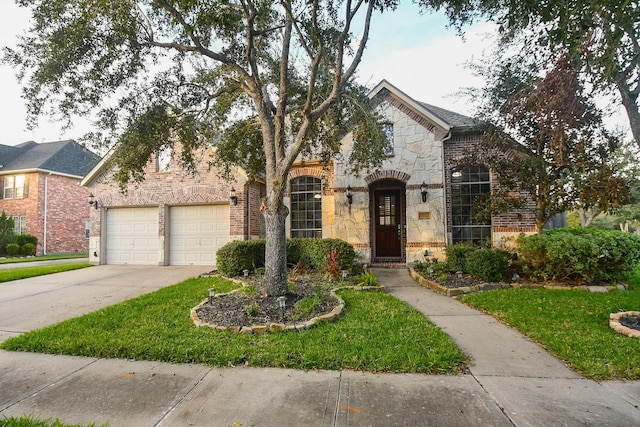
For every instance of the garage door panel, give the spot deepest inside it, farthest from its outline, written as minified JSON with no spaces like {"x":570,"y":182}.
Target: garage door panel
{"x":132,"y":236}
{"x":196,"y":233}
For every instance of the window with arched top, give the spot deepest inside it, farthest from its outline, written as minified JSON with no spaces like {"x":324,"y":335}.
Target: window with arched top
{"x":467,"y":185}
{"x":306,"y":207}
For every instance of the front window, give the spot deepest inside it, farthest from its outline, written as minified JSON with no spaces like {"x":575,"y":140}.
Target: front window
{"x":15,"y":187}
{"x":306,"y":207}
{"x":387,"y":128}
{"x":20,"y":224}
{"x":466,"y":186}
{"x":87,"y":228}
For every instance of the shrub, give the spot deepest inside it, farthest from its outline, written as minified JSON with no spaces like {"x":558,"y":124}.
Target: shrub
{"x":236,"y":256}
{"x":457,"y":255}
{"x":487,"y":264}
{"x":27,"y":249}
{"x":368,"y":279}
{"x":13,"y":249}
{"x":22,"y":239}
{"x":7,"y":234}
{"x":579,"y":254}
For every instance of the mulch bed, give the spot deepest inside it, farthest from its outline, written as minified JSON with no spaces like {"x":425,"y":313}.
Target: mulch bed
{"x":234,"y":309}
{"x":632,"y":322}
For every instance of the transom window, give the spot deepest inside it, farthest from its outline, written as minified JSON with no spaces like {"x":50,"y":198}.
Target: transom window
{"x":163,"y":160}
{"x":15,"y":187}
{"x":387,"y":128}
{"x":466,"y":186}
{"x":306,"y":207}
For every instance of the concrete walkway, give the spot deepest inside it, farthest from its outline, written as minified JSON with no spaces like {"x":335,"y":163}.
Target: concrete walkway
{"x":512,"y":382}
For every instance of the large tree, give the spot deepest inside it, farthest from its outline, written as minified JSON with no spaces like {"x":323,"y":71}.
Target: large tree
{"x":268,"y":81}
{"x":546,"y":139}
{"x":604,"y":35}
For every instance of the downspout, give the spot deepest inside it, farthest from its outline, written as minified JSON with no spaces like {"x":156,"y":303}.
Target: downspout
{"x":444,"y":187}
{"x":46,"y":194}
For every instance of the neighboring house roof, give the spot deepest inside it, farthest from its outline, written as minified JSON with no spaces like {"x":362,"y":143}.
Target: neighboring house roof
{"x":61,"y":157}
{"x":446,"y":119}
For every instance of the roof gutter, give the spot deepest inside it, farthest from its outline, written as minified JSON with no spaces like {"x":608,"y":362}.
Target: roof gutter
{"x":49,"y":172}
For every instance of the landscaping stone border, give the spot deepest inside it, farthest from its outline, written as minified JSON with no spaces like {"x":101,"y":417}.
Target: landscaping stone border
{"x":452,"y":292}
{"x":614,"y":322}
{"x":279,"y":327}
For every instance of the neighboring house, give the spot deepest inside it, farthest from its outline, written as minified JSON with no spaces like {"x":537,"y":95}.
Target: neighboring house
{"x":414,"y":206}
{"x":40,"y":189}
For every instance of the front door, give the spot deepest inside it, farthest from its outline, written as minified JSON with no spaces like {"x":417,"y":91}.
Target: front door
{"x":388,"y":228}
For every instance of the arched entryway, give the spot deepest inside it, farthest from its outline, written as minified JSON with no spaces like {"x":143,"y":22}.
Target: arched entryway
{"x":387,"y":206}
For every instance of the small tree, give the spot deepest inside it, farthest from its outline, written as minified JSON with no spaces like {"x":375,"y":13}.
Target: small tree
{"x":546,"y":140}
{"x":7,"y":231}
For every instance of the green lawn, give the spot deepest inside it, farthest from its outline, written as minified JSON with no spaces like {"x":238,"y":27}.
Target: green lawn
{"x":30,"y":421}
{"x":572,"y":324}
{"x":12,"y":260}
{"x":376,"y":333}
{"x":9,"y":274}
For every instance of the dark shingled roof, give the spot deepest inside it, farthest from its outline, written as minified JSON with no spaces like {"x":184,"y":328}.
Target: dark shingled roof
{"x":66,"y":157}
{"x":453,"y":119}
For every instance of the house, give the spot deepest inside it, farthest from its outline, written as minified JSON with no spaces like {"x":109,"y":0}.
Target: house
{"x":40,"y":189}
{"x":414,"y":206}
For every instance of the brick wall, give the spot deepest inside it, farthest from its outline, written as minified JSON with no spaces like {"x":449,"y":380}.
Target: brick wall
{"x":66,"y":211}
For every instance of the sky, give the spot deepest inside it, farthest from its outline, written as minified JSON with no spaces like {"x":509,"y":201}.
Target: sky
{"x":415,"y":52}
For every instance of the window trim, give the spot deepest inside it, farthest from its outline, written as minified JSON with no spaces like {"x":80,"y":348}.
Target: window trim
{"x":309,"y":195}
{"x":472,"y":227}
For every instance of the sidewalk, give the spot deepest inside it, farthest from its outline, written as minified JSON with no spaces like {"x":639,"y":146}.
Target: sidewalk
{"x":512,"y":382}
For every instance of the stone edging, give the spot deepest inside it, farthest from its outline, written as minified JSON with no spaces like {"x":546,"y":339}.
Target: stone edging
{"x":451,"y":292}
{"x":278,"y":327}
{"x":614,"y":322}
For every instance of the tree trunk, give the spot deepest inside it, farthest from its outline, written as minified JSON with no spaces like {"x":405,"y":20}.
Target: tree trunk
{"x":276,"y":249}
{"x":587,"y":216}
{"x":629,"y":101}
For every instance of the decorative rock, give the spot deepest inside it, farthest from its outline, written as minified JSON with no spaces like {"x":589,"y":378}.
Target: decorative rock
{"x":260,"y":329}
{"x":246,"y":330}
{"x":276,"y":327}
{"x":614,"y":322}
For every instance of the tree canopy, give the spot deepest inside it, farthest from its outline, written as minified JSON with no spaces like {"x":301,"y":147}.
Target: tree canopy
{"x":603,"y":35}
{"x":267,"y":82}
{"x":546,"y":138}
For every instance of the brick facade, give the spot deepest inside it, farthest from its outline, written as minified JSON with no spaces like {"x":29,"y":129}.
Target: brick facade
{"x":55,"y":209}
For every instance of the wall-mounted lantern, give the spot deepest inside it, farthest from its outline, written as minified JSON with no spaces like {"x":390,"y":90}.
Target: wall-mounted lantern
{"x":424,"y":191}
{"x":349,"y":194}
{"x":92,"y":201}
{"x":233,"y":197}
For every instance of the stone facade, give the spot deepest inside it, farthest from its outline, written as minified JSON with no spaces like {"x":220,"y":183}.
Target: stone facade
{"x":55,"y":209}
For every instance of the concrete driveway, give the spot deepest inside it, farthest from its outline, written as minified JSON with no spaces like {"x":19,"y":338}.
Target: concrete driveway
{"x":41,"y":301}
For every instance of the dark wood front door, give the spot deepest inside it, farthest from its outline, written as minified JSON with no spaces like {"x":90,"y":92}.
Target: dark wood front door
{"x":388,"y":228}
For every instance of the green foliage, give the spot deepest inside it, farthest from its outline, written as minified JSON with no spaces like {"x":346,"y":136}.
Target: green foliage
{"x":308,"y":307}
{"x":457,"y":255}
{"x":13,"y":249}
{"x":487,"y":264}
{"x":28,"y":249}
{"x":579,"y":254}
{"x":236,"y":256}
{"x":7,"y":232}
{"x":21,"y":239}
{"x":332,"y":266}
{"x":432,"y":268}
{"x":31,"y":421}
{"x":368,"y":279}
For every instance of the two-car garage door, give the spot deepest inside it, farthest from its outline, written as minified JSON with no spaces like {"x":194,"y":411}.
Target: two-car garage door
{"x":195,"y":233}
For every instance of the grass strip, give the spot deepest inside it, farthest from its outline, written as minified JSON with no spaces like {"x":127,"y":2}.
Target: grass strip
{"x":377,"y":333}
{"x":572,"y":324}
{"x":12,"y":260}
{"x":30,"y":421}
{"x":9,"y":274}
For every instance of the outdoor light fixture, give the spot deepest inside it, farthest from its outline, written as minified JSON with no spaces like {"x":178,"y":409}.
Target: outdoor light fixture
{"x":212,"y":293}
{"x":424,"y":191}
{"x":282,"y":302}
{"x":233,"y":197}
{"x":349,"y":194}
{"x":92,"y":201}
{"x":245,"y":272}
{"x":456,"y":173}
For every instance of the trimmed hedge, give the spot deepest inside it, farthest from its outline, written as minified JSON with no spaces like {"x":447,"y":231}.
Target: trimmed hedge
{"x":487,"y":264}
{"x":13,"y":249}
{"x":579,"y":254}
{"x":457,"y":255}
{"x":238,"y":255}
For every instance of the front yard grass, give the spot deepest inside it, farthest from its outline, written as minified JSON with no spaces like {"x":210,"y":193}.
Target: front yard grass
{"x":376,"y":333}
{"x":9,"y":274}
{"x":11,"y":260}
{"x":572,"y":324}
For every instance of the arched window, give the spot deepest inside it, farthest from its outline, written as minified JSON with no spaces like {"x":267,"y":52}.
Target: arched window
{"x":466,"y":186}
{"x":306,"y":207}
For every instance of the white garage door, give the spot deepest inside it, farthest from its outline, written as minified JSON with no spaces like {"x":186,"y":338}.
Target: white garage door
{"x":132,"y":236}
{"x":196,"y":233}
